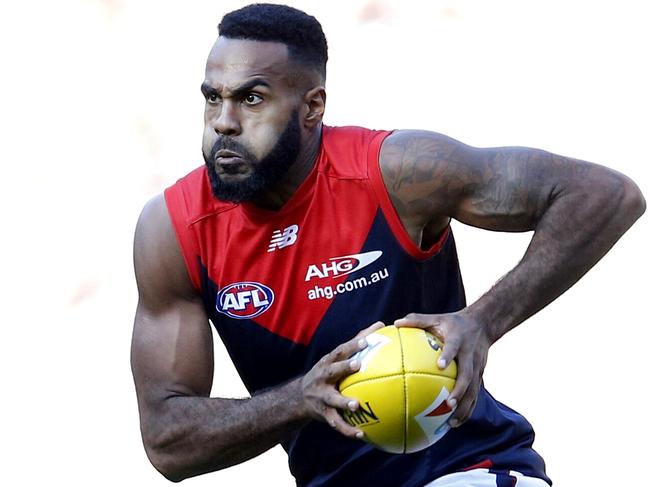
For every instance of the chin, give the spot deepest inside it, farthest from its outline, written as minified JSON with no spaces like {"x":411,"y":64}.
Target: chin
{"x":232,"y":179}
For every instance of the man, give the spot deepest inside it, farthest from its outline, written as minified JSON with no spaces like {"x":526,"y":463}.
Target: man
{"x":253,"y":240}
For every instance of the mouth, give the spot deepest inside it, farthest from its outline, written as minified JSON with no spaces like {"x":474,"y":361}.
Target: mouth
{"x":230,"y":163}
{"x":226,"y":158}
{"x":226,"y":154}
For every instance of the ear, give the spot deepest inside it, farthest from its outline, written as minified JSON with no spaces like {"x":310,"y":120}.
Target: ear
{"x":314,"y":104}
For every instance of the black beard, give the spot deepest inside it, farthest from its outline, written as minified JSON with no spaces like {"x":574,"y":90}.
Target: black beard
{"x":266,"y":171}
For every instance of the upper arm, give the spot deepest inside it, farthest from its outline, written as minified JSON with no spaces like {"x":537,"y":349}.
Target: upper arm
{"x":430,"y":176}
{"x":171,"y":351}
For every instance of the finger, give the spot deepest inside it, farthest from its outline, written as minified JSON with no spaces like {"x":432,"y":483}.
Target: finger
{"x":334,"y":399}
{"x":378,"y":325}
{"x":415,"y":320}
{"x":358,"y":343}
{"x":335,"y":420}
{"x":449,"y":352}
{"x":466,"y":407}
{"x":337,"y":370}
{"x":346,"y":350}
{"x":463,"y":381}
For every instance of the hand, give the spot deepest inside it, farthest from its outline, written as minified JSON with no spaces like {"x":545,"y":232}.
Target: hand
{"x":465,"y":339}
{"x":320,"y":394}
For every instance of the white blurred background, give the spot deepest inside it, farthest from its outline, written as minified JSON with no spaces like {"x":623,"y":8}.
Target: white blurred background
{"x":100,"y":109}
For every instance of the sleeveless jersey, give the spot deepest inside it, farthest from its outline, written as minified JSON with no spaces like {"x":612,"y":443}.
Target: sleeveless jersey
{"x":283,"y":288}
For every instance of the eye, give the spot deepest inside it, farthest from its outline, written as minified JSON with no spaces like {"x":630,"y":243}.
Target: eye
{"x":212,"y":98}
{"x":252,"y":99}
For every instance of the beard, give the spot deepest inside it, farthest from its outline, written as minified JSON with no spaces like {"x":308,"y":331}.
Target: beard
{"x":265,"y":172}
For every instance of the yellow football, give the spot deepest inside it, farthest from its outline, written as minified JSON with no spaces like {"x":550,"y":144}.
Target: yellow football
{"x":400,"y":389}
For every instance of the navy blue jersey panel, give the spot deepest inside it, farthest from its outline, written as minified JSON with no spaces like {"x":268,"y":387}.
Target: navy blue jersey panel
{"x":406,"y":285}
{"x":433,"y":285}
{"x":262,"y":358}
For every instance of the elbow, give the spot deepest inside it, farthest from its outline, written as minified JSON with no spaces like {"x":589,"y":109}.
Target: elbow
{"x":175,"y":461}
{"x":613,"y":199}
{"x":163,"y":460}
{"x":166,"y":466}
{"x":173,"y":476}
{"x":632,"y":203}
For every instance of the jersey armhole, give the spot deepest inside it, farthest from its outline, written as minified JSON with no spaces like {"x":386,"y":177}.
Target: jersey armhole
{"x":177,"y":209}
{"x":389,"y":211}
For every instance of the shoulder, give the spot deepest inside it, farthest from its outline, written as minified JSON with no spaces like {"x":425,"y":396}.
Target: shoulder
{"x":154,"y":224}
{"x":419,"y":147}
{"x":159,"y":266}
{"x":419,"y":169}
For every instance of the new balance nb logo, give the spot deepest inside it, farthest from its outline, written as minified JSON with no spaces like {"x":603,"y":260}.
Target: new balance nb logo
{"x":283,"y":238}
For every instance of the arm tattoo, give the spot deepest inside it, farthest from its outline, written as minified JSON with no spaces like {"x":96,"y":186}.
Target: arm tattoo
{"x":507,"y":189}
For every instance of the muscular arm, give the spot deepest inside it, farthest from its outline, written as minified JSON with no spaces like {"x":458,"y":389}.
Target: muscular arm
{"x":578,"y":210}
{"x":186,"y":432}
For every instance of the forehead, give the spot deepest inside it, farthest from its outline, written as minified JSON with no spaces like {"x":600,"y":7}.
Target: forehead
{"x":233,"y":61}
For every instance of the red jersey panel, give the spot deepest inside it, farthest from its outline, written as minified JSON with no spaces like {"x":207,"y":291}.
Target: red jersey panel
{"x":265,"y":263}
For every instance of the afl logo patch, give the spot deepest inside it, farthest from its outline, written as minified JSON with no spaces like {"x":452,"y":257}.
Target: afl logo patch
{"x":244,"y":300}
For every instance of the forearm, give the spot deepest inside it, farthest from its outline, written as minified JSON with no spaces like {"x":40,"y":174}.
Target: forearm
{"x":187,"y":436}
{"x":576,"y":230}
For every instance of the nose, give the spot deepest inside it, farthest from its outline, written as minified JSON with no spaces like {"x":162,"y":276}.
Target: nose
{"x":227,"y":121}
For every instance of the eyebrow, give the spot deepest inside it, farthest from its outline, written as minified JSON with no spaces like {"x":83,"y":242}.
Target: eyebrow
{"x":208,"y":89}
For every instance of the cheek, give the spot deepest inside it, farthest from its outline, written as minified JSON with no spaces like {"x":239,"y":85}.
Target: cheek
{"x":261,"y":139}
{"x":209,"y":138}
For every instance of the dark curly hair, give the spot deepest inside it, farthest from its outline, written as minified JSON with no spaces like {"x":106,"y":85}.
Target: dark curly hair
{"x":302,"y":33}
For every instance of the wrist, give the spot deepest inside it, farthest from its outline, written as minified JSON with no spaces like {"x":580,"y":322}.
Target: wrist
{"x":294,"y":400}
{"x":494,"y":318}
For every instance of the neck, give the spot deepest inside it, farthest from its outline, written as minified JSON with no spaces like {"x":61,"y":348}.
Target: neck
{"x":280,"y":193}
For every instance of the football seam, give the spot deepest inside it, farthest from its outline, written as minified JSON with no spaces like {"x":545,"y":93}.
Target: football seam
{"x":396,"y":374}
{"x":405,"y":402}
